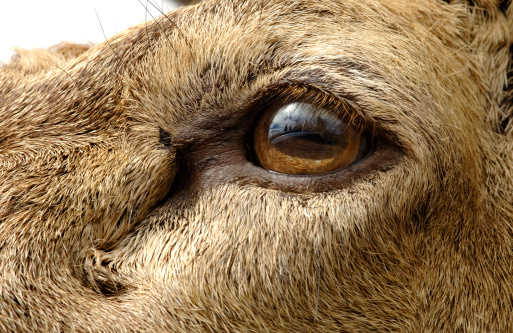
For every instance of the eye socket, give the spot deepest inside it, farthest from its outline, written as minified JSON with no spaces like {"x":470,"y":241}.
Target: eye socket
{"x":300,"y":138}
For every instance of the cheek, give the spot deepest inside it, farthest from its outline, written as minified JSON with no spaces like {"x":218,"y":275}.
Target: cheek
{"x":253,"y":244}
{"x":248,"y":228}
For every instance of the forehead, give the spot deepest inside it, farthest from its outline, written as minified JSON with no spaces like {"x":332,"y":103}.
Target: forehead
{"x":253,"y":33}
{"x":213,"y":26}
{"x":219,"y":55}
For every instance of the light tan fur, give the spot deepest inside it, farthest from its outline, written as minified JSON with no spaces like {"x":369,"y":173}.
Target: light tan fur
{"x":125,"y":208}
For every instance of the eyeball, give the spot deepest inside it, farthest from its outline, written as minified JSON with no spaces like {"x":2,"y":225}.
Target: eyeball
{"x":300,"y":138}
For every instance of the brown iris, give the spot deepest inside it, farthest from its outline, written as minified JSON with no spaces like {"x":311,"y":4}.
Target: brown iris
{"x":301,"y":138}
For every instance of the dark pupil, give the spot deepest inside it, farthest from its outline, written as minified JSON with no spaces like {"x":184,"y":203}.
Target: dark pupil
{"x":300,"y":129}
{"x":314,"y":137}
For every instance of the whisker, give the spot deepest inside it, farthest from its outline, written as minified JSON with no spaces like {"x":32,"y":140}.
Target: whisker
{"x":68,"y":74}
{"x":118,"y":58}
{"x":156,"y":22}
{"x":146,"y":25}
{"x":173,"y":24}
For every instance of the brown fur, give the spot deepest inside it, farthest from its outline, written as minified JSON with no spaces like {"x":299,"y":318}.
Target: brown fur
{"x":127,"y":203}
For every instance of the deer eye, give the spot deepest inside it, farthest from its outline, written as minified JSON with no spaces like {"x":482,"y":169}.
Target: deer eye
{"x":300,"y":138}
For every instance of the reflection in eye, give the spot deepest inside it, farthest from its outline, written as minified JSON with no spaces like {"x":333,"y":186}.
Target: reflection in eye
{"x":302,"y":138}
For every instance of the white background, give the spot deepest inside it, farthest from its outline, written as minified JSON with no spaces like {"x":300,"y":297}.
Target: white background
{"x":42,"y":23}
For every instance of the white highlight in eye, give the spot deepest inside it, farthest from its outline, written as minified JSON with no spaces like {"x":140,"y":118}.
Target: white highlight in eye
{"x":289,"y":116}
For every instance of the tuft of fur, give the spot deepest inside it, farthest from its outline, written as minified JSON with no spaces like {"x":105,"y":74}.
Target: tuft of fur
{"x":128,"y":204}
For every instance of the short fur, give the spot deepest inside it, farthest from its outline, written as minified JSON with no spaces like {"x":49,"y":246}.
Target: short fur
{"x":128,"y":203}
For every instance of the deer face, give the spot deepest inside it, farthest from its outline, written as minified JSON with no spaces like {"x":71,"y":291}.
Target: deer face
{"x":282,"y":166}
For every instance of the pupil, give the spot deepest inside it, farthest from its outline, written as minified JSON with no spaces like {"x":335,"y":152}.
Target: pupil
{"x":314,"y":137}
{"x":306,"y":131}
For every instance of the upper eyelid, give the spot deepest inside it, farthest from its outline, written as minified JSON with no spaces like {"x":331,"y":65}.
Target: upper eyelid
{"x":319,"y":84}
{"x":322,"y":74}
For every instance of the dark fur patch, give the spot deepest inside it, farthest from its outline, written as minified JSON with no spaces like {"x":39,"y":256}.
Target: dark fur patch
{"x":165,"y":138}
{"x":507,"y":102}
{"x":504,"y":5}
{"x":101,"y":276}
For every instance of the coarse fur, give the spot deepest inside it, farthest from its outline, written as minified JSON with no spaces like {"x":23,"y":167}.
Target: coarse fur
{"x":129,"y":201}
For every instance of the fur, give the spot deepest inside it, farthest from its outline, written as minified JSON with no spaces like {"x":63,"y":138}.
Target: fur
{"x":128,"y":203}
